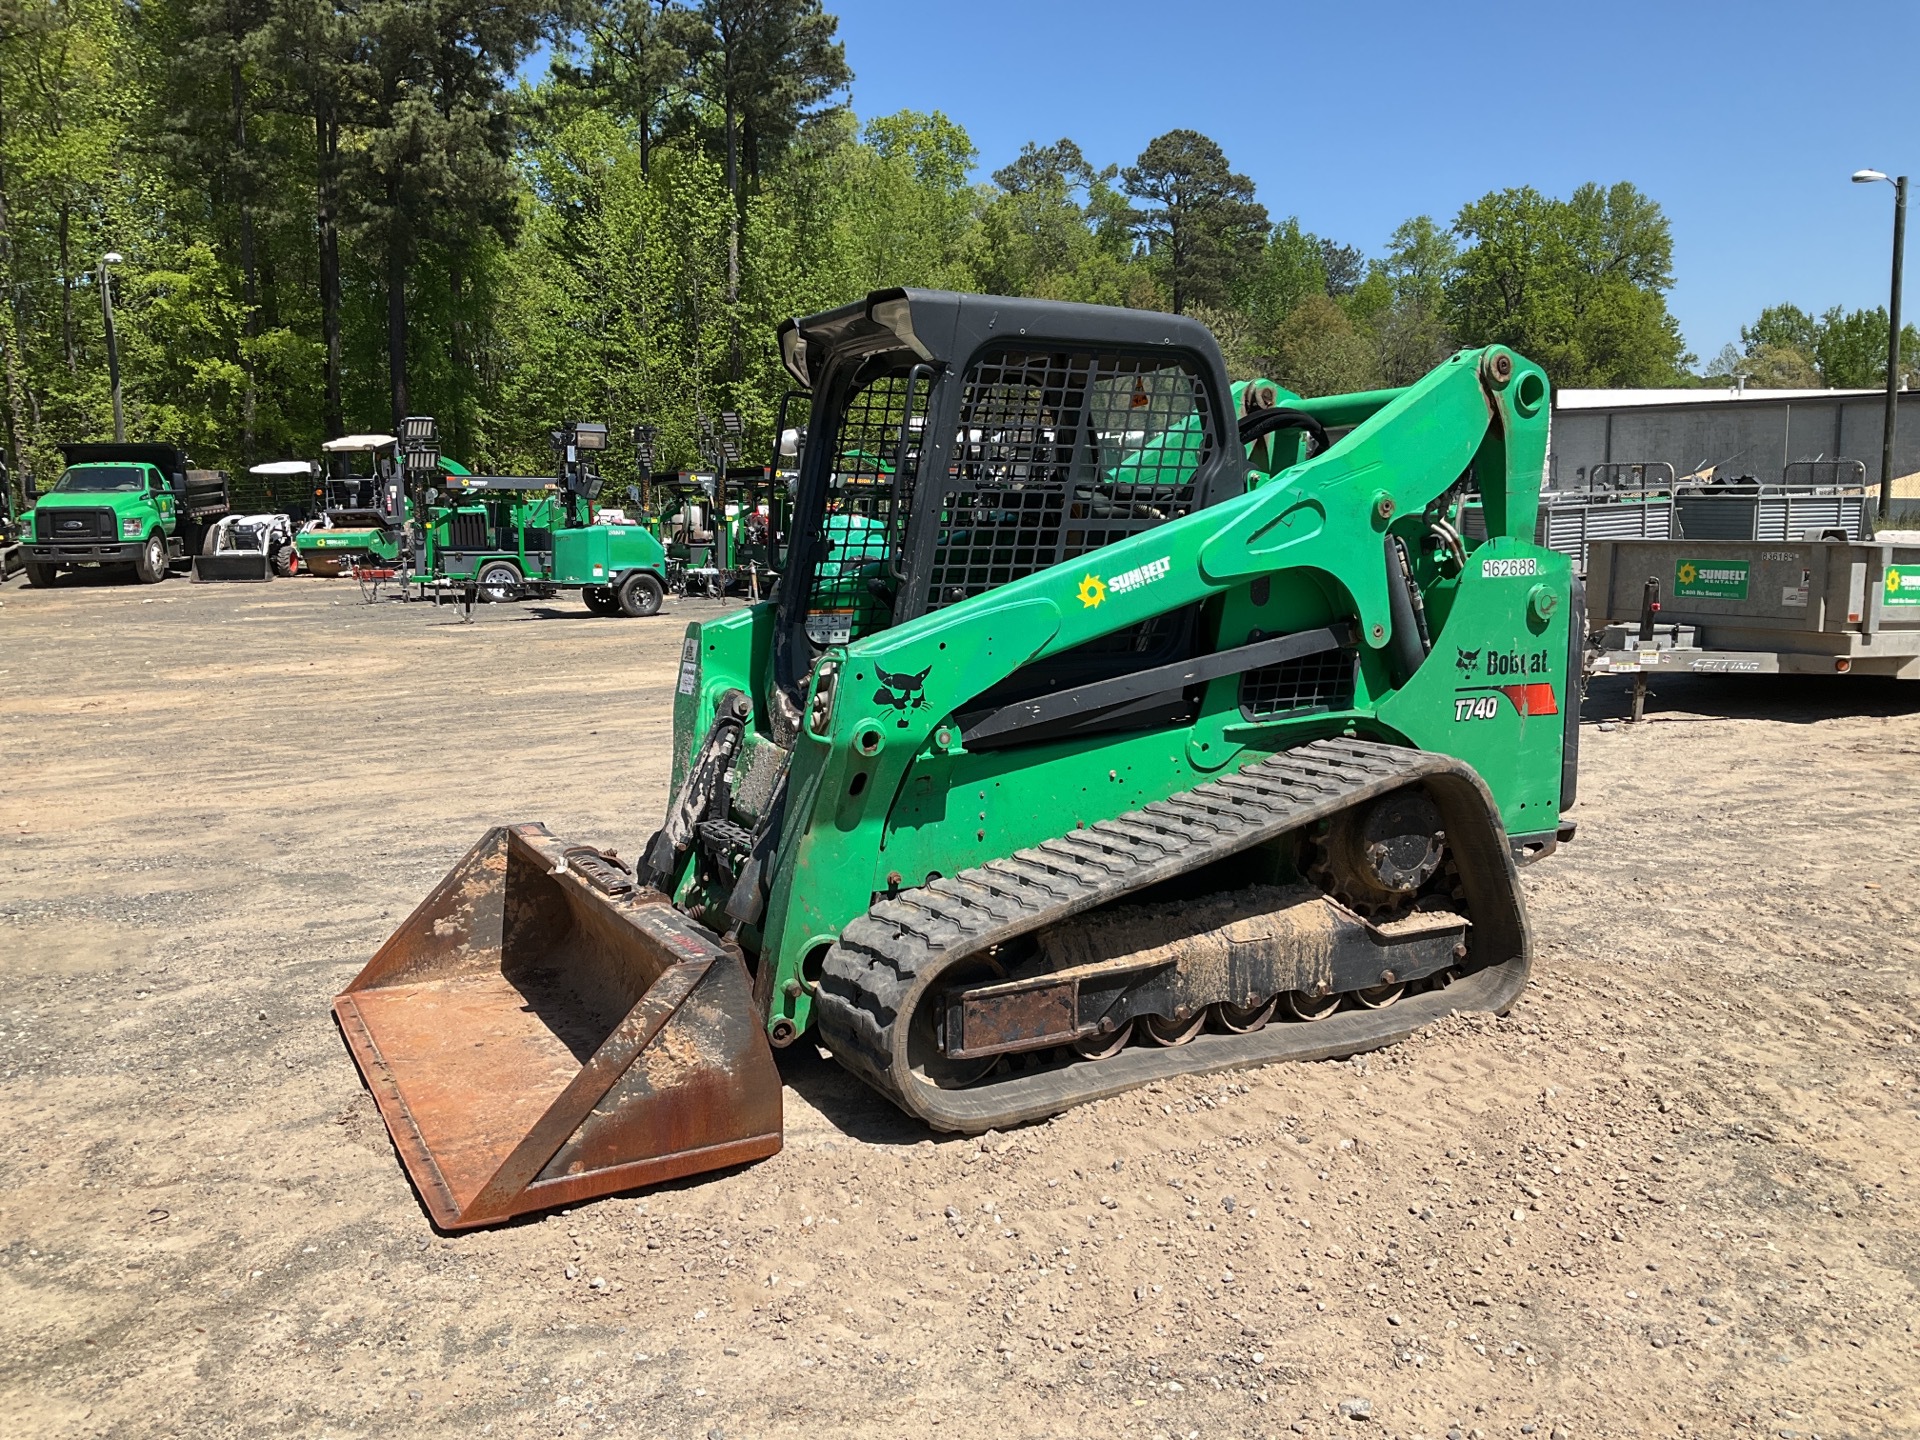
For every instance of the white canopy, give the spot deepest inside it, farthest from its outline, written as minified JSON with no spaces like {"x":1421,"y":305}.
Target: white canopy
{"x":359,"y":442}
{"x":283,"y":467}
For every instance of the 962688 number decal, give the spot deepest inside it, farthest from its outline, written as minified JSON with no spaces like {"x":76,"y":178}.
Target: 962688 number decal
{"x":1509,"y":567}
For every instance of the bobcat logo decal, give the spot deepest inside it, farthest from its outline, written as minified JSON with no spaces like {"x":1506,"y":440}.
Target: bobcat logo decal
{"x":901,"y":692}
{"x":1468,"y":659}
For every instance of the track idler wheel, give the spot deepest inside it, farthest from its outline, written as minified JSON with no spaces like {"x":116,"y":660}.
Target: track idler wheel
{"x":1302,"y":1006}
{"x":1162,"y":1031}
{"x":1244,"y":1019}
{"x":1104,"y":1047}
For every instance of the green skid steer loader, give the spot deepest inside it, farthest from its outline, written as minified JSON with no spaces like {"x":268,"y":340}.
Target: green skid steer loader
{"x":1161,"y":725}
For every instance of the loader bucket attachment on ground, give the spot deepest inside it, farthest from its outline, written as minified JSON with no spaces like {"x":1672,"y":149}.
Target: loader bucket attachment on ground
{"x":232,"y":565}
{"x":542,"y":1030}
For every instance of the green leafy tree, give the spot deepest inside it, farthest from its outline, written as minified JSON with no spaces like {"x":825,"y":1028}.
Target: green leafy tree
{"x":1058,"y":229}
{"x":1345,"y":266}
{"x":1410,"y":329}
{"x":1577,"y":285}
{"x":1782,"y":326}
{"x":1850,"y":347}
{"x":1196,"y":216}
{"x":1323,"y":352}
{"x":431,"y":164}
{"x":769,"y":69}
{"x":638,"y":58}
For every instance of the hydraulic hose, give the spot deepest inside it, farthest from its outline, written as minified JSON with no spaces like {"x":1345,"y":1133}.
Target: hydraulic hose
{"x":1261,"y":423}
{"x":1407,"y":644}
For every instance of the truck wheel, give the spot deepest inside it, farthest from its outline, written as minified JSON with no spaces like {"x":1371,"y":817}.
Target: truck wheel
{"x":498,"y":582}
{"x":41,"y":577}
{"x":151,"y":567}
{"x":601,"y":600}
{"x":640,"y":595}
{"x":285,"y":559}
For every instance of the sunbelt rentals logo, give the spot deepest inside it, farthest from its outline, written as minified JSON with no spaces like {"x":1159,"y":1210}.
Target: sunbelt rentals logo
{"x":1094,"y":590}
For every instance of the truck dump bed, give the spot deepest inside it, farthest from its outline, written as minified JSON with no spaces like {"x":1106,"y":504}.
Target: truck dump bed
{"x":1757,"y":607}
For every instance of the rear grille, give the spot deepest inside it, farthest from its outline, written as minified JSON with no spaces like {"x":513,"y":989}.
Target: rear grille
{"x":1323,"y":681}
{"x":62,"y":523}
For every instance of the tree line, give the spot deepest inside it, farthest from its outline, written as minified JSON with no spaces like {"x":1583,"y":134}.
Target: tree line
{"x":1788,"y":348}
{"x":332,"y":214}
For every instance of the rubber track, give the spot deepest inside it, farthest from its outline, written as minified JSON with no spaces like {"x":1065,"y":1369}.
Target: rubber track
{"x":885,"y":961}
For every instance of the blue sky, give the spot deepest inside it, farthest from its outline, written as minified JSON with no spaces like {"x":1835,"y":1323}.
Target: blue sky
{"x":1743,"y":120}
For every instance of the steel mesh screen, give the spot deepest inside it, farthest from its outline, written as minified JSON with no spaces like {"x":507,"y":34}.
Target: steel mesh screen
{"x":1312,"y":682}
{"x":861,"y":526}
{"x":1059,"y":454}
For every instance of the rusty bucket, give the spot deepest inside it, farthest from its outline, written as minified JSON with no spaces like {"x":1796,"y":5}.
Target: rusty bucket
{"x":542,"y":1030}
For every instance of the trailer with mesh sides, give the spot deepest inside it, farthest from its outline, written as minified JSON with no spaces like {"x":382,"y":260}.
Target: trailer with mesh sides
{"x":1624,"y":501}
{"x":1816,"y":497}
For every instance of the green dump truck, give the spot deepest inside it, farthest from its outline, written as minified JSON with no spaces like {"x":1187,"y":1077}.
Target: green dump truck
{"x":134,"y":509}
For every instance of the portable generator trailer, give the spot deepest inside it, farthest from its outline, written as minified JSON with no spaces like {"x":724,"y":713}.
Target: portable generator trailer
{"x":504,"y":537}
{"x":1814,"y":606}
{"x":1156,"y":735}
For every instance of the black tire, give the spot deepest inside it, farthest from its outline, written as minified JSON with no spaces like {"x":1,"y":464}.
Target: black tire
{"x":498,"y":582}
{"x":42,"y":577}
{"x":151,"y":567}
{"x":640,"y":595}
{"x":285,"y":559}
{"x":601,"y":600}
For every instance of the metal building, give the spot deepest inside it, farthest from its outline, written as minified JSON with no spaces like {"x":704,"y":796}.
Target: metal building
{"x":1733,"y":432}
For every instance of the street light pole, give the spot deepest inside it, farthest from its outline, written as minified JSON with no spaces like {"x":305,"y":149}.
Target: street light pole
{"x":112,"y":257}
{"x":1893,"y":348}
{"x":1899,"y":183}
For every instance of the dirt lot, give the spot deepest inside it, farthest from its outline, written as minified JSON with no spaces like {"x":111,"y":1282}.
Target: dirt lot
{"x":1677,"y":1192}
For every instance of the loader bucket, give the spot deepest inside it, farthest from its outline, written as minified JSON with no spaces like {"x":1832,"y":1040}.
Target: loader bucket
{"x":232,"y":565}
{"x":542,"y":1030}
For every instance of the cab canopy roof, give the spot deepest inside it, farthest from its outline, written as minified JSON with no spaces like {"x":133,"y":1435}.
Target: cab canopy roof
{"x":283,"y":467}
{"x":359,"y":442}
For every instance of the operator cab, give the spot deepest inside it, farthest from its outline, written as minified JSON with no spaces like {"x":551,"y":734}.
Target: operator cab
{"x":947,"y":454}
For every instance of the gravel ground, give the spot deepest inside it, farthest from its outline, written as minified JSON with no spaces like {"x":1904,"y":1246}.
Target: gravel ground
{"x":1673,"y":1194}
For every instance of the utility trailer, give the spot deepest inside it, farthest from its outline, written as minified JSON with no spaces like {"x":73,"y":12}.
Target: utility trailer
{"x":1754,"y":607}
{"x":1570,"y":521}
{"x":1816,"y":496}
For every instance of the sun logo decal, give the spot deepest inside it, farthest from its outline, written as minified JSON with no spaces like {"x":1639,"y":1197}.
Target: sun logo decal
{"x":1688,"y":574}
{"x":1893,"y":582}
{"x":1092,"y":591}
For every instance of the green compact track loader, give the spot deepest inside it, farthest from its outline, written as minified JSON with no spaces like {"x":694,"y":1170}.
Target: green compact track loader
{"x":1113,"y":722}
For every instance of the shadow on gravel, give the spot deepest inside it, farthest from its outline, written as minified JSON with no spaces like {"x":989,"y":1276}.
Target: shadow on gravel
{"x":847,"y":1103}
{"x":1787,"y":699}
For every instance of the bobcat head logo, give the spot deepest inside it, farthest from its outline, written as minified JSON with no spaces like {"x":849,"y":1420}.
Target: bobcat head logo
{"x":901,"y":692}
{"x":1468,"y":659}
